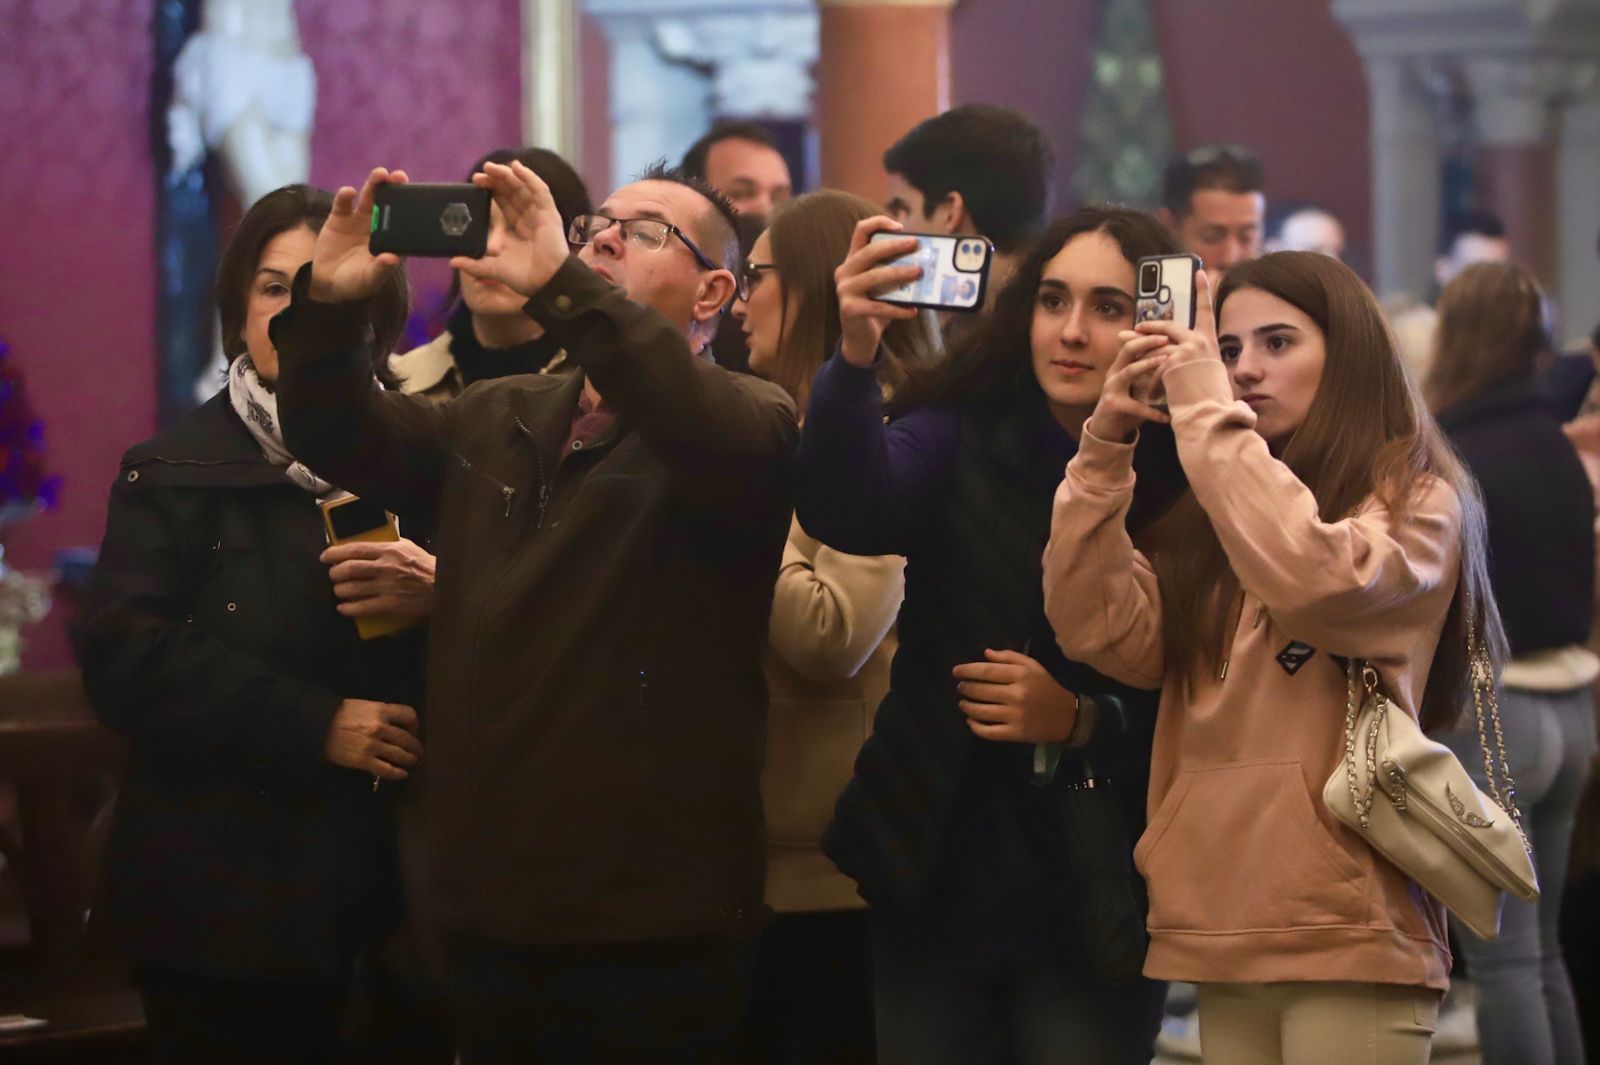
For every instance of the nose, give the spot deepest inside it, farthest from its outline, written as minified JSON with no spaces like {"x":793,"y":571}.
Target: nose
{"x":1074,"y":331}
{"x":739,"y":308}
{"x":497,"y":239}
{"x":1248,"y":369}
{"x":608,"y":241}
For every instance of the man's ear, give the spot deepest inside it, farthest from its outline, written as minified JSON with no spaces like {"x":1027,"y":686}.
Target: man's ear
{"x":950,"y":216}
{"x":716,"y":293}
{"x":1167,"y":218}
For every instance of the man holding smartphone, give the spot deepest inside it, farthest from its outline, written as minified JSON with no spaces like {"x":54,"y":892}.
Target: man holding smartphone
{"x":607,"y":543}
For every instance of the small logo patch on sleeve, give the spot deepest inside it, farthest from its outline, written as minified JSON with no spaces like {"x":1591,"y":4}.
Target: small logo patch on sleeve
{"x":1297,"y":654}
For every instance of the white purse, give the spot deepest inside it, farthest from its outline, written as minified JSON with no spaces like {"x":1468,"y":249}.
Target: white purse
{"x":1465,"y":848}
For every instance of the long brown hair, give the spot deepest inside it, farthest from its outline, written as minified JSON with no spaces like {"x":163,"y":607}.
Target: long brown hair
{"x":810,"y":237}
{"x":1367,"y":434}
{"x":1491,"y":329}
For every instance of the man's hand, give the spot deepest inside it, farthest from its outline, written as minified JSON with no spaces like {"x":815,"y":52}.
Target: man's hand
{"x":379,"y":739}
{"x":1010,"y":697}
{"x":342,"y":269}
{"x":862,"y":318}
{"x":394,"y":578}
{"x":531,"y":247}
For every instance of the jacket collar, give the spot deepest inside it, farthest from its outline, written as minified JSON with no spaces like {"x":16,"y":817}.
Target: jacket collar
{"x":208,"y":448}
{"x":1515,"y":395}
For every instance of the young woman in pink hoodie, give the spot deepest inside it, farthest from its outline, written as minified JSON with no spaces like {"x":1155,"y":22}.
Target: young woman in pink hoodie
{"x":1327,"y":519}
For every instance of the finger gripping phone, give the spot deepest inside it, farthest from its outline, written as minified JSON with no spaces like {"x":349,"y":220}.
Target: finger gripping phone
{"x":351,"y":519}
{"x":955,"y":272}
{"x":1165,"y":289}
{"x":432,"y":221}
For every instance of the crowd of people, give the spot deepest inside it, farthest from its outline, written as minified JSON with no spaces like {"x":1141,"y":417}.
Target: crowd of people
{"x":787,"y":676}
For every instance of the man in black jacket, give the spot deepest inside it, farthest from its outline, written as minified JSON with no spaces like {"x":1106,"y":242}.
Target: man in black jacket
{"x":607,"y":543}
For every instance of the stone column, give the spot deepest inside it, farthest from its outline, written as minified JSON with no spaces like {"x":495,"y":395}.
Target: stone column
{"x":1405,"y":178}
{"x":1517,"y":163}
{"x":550,"y":76}
{"x":885,"y":67}
{"x":1578,"y":205}
{"x":658,"y":106}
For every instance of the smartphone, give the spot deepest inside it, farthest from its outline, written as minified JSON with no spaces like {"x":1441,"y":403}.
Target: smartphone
{"x":433,"y":221}
{"x":351,"y":519}
{"x":1166,"y":289}
{"x":955,"y":272}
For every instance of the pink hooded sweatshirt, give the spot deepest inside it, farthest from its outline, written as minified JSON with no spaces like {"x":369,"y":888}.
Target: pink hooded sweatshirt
{"x":1251,"y":878}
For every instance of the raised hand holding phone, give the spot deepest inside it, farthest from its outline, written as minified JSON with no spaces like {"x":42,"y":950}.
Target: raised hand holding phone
{"x":528,"y":250}
{"x":862,"y":317}
{"x":1122,"y":406}
{"x":343,"y":268}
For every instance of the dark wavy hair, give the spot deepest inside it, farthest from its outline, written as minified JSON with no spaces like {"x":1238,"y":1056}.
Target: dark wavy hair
{"x":278,"y":212}
{"x":994,"y":359}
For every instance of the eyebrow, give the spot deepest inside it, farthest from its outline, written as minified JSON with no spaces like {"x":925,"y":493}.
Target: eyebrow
{"x":1056,"y":285}
{"x":646,"y":212}
{"x":273,"y":270}
{"x":1264,"y":330}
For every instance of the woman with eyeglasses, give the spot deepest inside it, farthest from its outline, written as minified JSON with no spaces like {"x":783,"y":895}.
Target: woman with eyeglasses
{"x":827,"y":664}
{"x":990,"y":817}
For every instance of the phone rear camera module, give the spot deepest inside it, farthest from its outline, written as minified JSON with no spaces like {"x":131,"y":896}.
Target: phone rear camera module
{"x":969,"y":256}
{"x":455,"y":219}
{"x":1149,"y":279}
{"x":1165,"y":295}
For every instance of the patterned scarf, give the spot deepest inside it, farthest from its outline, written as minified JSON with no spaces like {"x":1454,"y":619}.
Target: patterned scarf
{"x":257,"y":407}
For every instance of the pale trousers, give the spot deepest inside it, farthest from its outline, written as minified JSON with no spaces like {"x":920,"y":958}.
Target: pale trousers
{"x":1316,"y":1024}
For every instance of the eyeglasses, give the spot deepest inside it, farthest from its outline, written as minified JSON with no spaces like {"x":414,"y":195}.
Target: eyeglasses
{"x":750,"y":276}
{"x":649,"y":234}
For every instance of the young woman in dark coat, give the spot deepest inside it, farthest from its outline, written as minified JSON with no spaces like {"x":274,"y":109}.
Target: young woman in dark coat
{"x":251,"y":856}
{"x":992,"y":813}
{"x":1540,"y":512}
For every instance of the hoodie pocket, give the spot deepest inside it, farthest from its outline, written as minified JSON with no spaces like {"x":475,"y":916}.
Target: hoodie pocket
{"x":1240,"y":847}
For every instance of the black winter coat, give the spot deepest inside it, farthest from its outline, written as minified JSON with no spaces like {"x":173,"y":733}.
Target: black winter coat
{"x":1541,"y":514}
{"x":209,"y":638}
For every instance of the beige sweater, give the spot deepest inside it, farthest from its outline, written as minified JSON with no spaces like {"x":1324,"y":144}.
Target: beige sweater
{"x":1251,"y":878}
{"x":828,"y":668}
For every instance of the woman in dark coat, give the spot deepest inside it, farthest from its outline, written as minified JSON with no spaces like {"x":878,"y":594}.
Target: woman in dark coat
{"x":251,"y":856}
{"x":1540,"y":513}
{"x":991,"y":817}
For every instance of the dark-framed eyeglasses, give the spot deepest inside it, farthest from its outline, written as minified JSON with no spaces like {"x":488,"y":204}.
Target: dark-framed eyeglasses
{"x":750,"y":276}
{"x":648,"y":234}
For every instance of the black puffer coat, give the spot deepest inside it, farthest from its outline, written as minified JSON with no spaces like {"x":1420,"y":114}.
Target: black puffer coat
{"x":210,"y":639}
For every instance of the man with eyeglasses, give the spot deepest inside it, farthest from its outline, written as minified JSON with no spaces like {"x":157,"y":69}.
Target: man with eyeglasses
{"x":1214,"y":203}
{"x":608,"y":542}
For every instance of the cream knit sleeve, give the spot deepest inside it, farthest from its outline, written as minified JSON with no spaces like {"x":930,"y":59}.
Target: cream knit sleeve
{"x":831,"y":610}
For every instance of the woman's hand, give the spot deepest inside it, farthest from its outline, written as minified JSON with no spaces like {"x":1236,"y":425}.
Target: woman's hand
{"x":1123,"y":405}
{"x":533,"y":243}
{"x":393,"y":578}
{"x":342,"y":269}
{"x":379,"y":739}
{"x":863,"y":319}
{"x":1010,"y":697}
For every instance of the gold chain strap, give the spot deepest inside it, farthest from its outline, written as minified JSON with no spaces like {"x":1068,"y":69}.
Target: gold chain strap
{"x":1484,"y":688}
{"x":1355,"y":693}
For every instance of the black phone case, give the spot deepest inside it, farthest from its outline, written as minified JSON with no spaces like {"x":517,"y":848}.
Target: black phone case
{"x":433,"y":221}
{"x":982,"y":276}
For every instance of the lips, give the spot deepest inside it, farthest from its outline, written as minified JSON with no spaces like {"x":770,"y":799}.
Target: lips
{"x":1070,"y":367}
{"x":1255,"y":399}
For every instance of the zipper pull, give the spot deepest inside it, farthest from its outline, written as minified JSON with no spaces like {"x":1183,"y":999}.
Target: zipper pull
{"x":507,"y":493}
{"x":544,"y":501}
{"x":1261,"y":612}
{"x":1222,"y":674}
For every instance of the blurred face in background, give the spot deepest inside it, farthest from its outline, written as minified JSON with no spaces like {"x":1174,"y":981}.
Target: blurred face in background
{"x":1470,"y":248}
{"x":1223,"y":227}
{"x":752,"y":175}
{"x":1311,"y":230}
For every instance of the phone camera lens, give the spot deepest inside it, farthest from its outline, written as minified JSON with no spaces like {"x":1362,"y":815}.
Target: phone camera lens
{"x":1149,"y":278}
